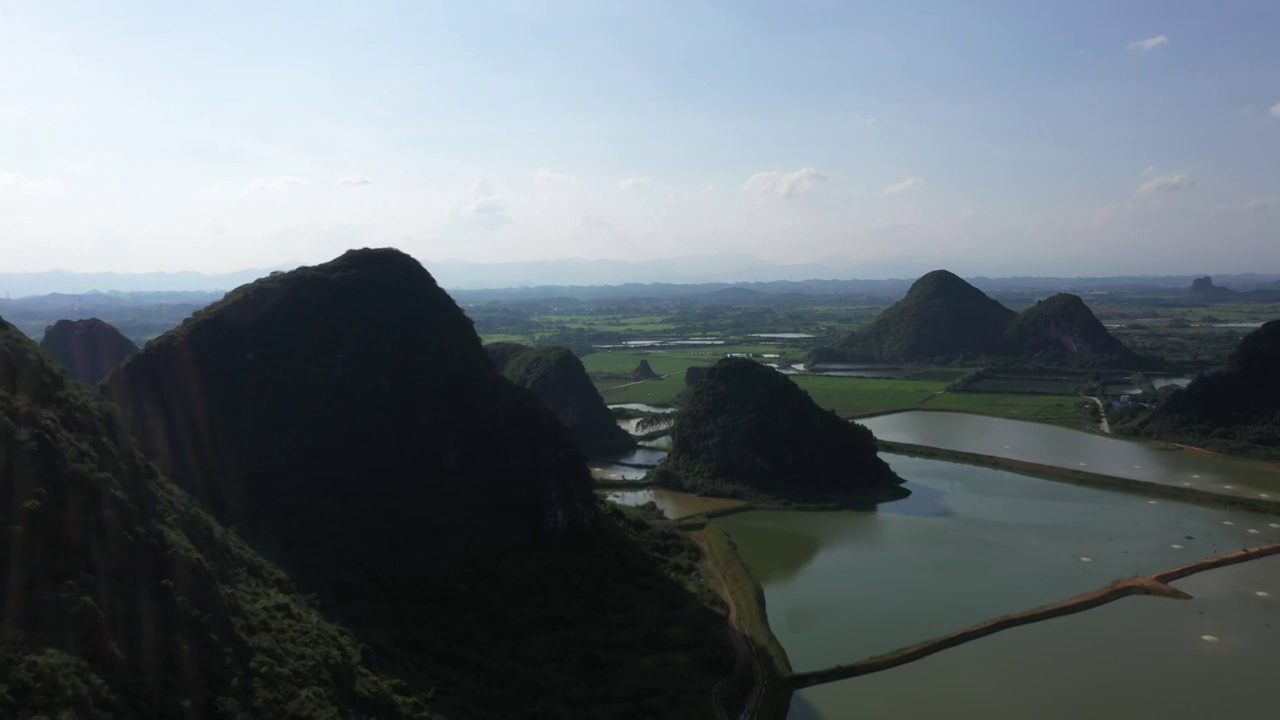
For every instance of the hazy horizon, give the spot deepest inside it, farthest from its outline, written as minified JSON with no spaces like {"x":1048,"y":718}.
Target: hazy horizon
{"x":997,"y":138}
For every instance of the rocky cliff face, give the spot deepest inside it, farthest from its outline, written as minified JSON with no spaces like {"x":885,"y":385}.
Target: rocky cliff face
{"x":747,"y":430}
{"x":124,"y":600}
{"x":346,"y":418}
{"x":88,"y":349}
{"x":1063,"y":328}
{"x":557,"y":377}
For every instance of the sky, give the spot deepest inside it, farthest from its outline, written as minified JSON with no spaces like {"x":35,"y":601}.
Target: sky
{"x":993,"y":138}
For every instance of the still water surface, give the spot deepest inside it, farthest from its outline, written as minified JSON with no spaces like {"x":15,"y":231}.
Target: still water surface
{"x":1050,"y":445}
{"x":674,"y":505}
{"x":1141,"y":657}
{"x":970,"y":544}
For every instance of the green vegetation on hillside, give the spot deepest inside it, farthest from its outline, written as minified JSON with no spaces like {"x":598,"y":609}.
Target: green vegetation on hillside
{"x":1235,"y":408}
{"x":1061,"y":328}
{"x":124,"y":600}
{"x":945,"y":319}
{"x":354,"y":395}
{"x":558,"y":379}
{"x":747,"y":430}
{"x":88,"y":349}
{"x":942,"y":317}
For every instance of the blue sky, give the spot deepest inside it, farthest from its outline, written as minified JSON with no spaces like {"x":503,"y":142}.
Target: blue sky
{"x":990,"y":137}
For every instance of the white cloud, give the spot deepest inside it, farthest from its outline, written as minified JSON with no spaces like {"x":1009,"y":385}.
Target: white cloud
{"x":547,"y":178}
{"x":892,"y":224}
{"x":1275,"y":111}
{"x":869,"y":122}
{"x":1150,"y":171}
{"x":274,"y":183}
{"x":634,"y":183}
{"x":1148,"y":44}
{"x":354,"y":181}
{"x":1255,"y":205}
{"x":784,"y":186}
{"x":483,"y":207}
{"x":904,"y":186}
{"x":1166,"y":183}
{"x":19,"y":183}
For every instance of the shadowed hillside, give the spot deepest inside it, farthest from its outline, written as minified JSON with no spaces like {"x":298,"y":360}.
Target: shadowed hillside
{"x":557,"y":377}
{"x":1235,"y":408}
{"x":942,"y":317}
{"x":1064,"y":329}
{"x":88,"y":349}
{"x":123,"y":600}
{"x":945,"y":319}
{"x":346,"y":418}
{"x":747,"y":430}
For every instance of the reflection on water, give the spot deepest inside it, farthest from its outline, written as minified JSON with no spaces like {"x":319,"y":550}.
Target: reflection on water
{"x":610,"y":471}
{"x":673,"y":504}
{"x":1049,"y":445}
{"x":1178,"y":381}
{"x":643,"y":456}
{"x":641,"y":407}
{"x":978,"y":543}
{"x":1140,"y":657}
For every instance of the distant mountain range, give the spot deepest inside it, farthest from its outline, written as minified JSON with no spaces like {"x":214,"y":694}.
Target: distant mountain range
{"x":687,"y":275}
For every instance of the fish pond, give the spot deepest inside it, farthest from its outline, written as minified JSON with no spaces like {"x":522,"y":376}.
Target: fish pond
{"x":970,"y":544}
{"x":1213,"y":656}
{"x":1062,"y":447}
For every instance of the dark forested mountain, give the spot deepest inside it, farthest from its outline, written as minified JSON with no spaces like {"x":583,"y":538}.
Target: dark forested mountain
{"x":557,"y":377}
{"x":1062,"y":328}
{"x":124,"y":600}
{"x":88,"y":349}
{"x":1202,"y":288}
{"x":644,"y":371}
{"x":1236,"y":406}
{"x":353,"y":395}
{"x":347,"y":420}
{"x":745,"y":429}
{"x":941,"y":317}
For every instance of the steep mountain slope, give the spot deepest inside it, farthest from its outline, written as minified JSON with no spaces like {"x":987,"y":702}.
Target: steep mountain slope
{"x":123,"y":600}
{"x":1236,"y":407}
{"x":348,"y":420}
{"x":89,"y":349}
{"x":1063,"y":328}
{"x":560,"y":381}
{"x":747,"y":430}
{"x":941,"y":317}
{"x":356,"y":395}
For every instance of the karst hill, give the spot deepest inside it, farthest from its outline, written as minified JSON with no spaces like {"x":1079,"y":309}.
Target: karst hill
{"x":944,"y":319}
{"x":1236,"y":407}
{"x":1062,"y":328}
{"x":346,"y":417}
{"x":560,"y":381}
{"x":746,"y":430}
{"x":88,"y":349}
{"x":124,"y":600}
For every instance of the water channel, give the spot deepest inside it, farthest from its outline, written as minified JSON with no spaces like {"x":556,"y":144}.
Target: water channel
{"x":970,"y":544}
{"x":1050,"y":445}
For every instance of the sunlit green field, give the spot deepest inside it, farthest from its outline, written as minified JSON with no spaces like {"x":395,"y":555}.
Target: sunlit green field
{"x":857,"y":397}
